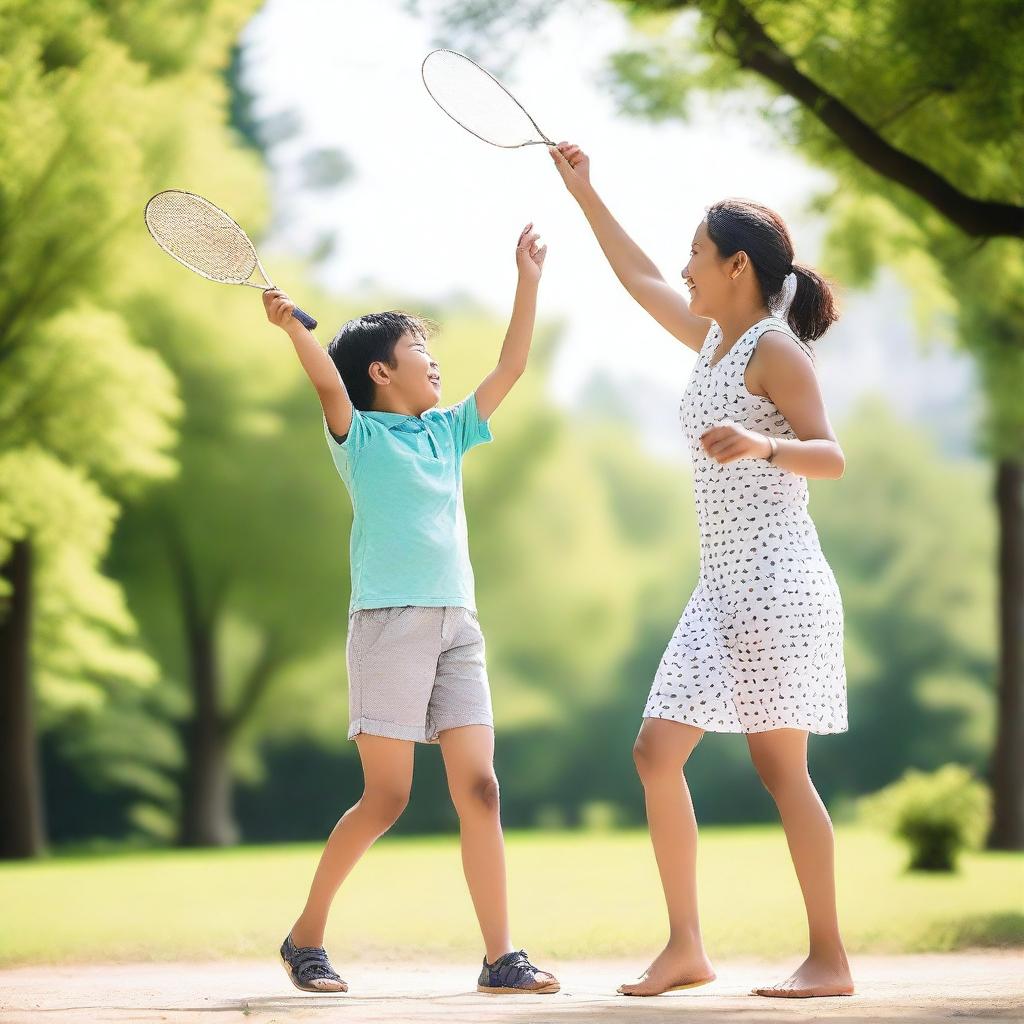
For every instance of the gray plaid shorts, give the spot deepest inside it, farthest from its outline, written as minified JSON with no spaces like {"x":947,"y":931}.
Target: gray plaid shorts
{"x":415,"y":671}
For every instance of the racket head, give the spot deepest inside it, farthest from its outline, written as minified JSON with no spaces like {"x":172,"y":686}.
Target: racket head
{"x":476,"y":101}
{"x":202,"y":237}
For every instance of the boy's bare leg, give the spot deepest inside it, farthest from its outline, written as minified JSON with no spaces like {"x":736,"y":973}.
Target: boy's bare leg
{"x":780,"y":757}
{"x":387,"y":779}
{"x":469,"y":763}
{"x":660,"y":753}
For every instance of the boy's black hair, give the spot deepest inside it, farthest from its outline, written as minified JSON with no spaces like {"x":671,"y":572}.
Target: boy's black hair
{"x":369,"y":339}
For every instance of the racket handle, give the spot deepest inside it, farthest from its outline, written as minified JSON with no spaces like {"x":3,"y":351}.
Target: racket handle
{"x":304,"y":318}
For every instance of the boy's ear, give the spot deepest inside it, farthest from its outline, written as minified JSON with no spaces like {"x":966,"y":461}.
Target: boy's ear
{"x":379,"y":373}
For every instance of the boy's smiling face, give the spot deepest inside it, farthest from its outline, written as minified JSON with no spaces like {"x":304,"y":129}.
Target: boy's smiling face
{"x":413,"y":384}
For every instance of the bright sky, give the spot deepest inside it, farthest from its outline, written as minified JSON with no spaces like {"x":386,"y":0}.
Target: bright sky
{"x":434,"y":212}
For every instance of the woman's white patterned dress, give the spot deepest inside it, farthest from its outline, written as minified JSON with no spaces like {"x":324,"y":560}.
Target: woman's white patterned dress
{"x":760,"y":643}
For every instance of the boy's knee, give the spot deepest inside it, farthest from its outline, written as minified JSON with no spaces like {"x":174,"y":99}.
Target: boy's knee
{"x":384,"y":807}
{"x":487,"y":793}
{"x":481,"y":795}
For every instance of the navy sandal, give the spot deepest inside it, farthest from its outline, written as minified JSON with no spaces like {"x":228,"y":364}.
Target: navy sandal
{"x":513,"y":974}
{"x":309,"y":969}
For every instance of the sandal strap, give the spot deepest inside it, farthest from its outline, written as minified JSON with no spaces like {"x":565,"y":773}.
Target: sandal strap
{"x":513,"y":970}
{"x":310,"y":963}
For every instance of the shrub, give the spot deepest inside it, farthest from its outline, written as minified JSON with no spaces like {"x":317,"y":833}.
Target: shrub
{"x":937,"y":814}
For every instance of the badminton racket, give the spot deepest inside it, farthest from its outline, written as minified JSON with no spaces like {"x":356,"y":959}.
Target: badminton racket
{"x":474,"y":99}
{"x":202,"y":237}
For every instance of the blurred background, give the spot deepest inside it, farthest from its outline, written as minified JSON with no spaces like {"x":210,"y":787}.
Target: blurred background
{"x":174,"y":538}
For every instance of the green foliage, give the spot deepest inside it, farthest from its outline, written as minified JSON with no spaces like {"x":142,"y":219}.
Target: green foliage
{"x":79,"y":646}
{"x":937,"y":814}
{"x":86,"y":391}
{"x":937,"y":81}
{"x":98,"y":104}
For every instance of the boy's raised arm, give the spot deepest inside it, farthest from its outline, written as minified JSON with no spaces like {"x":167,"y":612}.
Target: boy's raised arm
{"x":515,"y":350}
{"x":319,"y":367}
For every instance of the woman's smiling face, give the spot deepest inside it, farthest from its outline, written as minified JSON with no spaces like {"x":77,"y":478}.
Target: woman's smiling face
{"x":706,"y":275}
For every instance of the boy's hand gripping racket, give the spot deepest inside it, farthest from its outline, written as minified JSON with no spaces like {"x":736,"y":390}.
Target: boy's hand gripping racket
{"x":202,"y":237}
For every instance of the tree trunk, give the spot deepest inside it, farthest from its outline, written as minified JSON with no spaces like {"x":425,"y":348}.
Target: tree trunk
{"x":207,"y":818}
{"x":22,"y":832}
{"x":1008,"y":759}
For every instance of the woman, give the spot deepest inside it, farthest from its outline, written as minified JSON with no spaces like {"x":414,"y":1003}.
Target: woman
{"x":759,"y":648}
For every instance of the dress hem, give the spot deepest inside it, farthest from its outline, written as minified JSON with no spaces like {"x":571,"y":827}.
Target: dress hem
{"x":814,"y":730}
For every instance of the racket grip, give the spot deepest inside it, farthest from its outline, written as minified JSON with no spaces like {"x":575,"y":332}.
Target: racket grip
{"x":304,"y":318}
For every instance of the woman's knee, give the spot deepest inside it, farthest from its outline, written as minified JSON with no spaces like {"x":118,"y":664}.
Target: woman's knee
{"x":779,"y":776}
{"x":653,"y":760}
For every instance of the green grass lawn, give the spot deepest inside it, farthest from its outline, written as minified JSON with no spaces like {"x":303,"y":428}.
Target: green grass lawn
{"x":574,"y":894}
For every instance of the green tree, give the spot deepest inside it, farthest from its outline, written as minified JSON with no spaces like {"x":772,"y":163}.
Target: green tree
{"x":86,"y":413}
{"x":916,"y":110}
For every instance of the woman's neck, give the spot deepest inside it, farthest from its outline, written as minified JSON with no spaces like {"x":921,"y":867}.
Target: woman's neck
{"x":736,"y":322}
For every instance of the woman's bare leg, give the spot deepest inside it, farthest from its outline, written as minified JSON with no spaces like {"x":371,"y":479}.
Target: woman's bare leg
{"x":660,"y":753}
{"x":780,"y":757}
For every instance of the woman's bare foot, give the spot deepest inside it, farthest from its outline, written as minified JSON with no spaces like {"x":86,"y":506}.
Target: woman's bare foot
{"x":814,"y":977}
{"x":673,"y":968}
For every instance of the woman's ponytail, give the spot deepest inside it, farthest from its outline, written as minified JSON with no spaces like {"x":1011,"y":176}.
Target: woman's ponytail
{"x":735,"y":224}
{"x":813,"y":310}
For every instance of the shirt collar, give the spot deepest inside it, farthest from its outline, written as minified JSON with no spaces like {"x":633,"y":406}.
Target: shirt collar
{"x":398,"y":421}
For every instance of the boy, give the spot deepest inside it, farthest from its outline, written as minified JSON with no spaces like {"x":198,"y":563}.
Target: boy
{"x":415,"y":651}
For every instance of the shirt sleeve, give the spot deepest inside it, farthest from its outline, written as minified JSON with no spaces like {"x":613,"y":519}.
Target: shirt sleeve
{"x":467,"y":427}
{"x":347,"y":449}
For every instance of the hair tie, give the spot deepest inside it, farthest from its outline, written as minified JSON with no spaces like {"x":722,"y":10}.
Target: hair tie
{"x":786,"y":295}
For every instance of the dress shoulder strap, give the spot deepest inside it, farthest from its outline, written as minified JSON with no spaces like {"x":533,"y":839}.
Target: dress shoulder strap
{"x":710,"y":339}
{"x":777,"y":323}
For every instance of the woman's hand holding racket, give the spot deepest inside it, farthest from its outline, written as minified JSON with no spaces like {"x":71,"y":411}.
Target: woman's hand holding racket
{"x":529,"y":256}
{"x":573,"y":165}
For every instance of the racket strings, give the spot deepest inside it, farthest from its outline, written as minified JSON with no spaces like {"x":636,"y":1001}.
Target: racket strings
{"x":478,"y":102}
{"x":201,"y":236}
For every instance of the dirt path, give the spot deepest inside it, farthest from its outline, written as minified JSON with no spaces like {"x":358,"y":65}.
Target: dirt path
{"x":930,"y":987}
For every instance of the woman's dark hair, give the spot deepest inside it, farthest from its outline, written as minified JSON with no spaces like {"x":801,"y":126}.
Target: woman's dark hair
{"x":739,"y":224}
{"x":371,"y":339}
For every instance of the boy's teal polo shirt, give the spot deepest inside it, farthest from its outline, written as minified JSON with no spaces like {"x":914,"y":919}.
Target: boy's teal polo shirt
{"x":409,"y":544}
